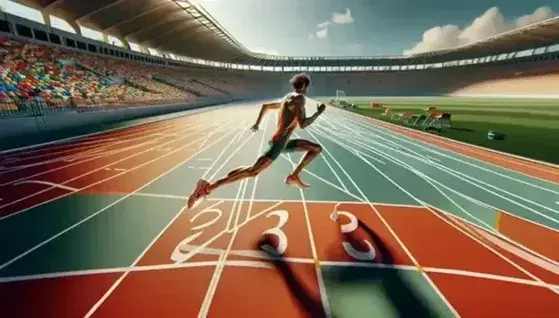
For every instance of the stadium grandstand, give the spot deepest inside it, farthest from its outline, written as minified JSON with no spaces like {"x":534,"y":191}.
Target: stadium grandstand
{"x":111,"y":111}
{"x":196,"y":57}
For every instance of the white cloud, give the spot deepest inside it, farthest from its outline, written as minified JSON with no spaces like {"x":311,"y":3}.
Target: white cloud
{"x":540,"y":14}
{"x":321,"y":34}
{"x":265,"y":51}
{"x":342,"y":18}
{"x":337,"y":18}
{"x":323,"y":25}
{"x":311,"y":36}
{"x":490,"y":23}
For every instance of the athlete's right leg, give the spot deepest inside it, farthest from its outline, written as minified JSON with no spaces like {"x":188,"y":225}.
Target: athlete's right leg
{"x":204,"y":188}
{"x":242,"y":173}
{"x":312,"y":150}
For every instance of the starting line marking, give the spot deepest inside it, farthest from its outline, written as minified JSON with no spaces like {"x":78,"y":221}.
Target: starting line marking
{"x":263,"y":264}
{"x":52,"y":184}
{"x":180,"y":197}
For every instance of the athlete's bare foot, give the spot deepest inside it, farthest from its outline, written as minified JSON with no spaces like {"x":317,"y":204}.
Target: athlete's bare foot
{"x":200,"y":191}
{"x":294,"y":180}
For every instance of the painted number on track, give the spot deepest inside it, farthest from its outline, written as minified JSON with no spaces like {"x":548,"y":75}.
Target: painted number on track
{"x":368,"y":255}
{"x":178,"y":256}
{"x":278,"y":232}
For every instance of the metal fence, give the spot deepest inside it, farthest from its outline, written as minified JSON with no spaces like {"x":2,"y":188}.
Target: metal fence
{"x":39,"y":107}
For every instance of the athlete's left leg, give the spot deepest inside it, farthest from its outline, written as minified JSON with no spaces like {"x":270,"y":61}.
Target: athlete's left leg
{"x":204,"y":188}
{"x":312,"y":150}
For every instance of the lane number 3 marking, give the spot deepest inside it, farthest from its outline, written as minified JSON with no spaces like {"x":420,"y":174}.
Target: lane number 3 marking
{"x":368,"y":255}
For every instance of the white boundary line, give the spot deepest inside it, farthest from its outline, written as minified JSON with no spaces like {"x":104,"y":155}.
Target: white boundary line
{"x":397,"y":238}
{"x":86,"y":159}
{"x":87,"y":143}
{"x":476,"y":240}
{"x":262,"y":261}
{"x":178,"y":197}
{"x":114,"y":286}
{"x":214,"y":282}
{"x":92,"y":171}
{"x":493,"y":250}
{"x":37,"y":246}
{"x":462,"y":143}
{"x":320,"y":279}
{"x":423,"y":144}
{"x":86,"y":146}
{"x":430,"y":180}
{"x":178,"y":114}
{"x":444,"y":152}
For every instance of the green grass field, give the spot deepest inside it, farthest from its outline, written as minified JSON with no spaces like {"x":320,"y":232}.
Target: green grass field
{"x":531,"y":125}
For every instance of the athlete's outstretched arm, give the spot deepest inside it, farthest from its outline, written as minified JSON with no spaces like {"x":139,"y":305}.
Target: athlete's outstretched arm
{"x":263,"y":111}
{"x":298,"y":105}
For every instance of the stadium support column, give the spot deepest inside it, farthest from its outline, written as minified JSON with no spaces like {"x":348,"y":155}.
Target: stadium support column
{"x":75,"y":26}
{"x":144,"y":49}
{"x":124,"y":42}
{"x":46,"y":18}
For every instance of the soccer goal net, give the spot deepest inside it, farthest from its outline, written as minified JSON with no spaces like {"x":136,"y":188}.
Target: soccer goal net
{"x":340,"y":96}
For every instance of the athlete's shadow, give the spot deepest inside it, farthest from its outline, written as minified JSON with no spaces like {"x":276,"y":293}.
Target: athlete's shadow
{"x":307,"y":301}
{"x":394,"y":284}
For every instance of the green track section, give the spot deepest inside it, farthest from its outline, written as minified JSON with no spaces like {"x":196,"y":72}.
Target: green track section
{"x":374,"y":292}
{"x":113,"y":238}
{"x":22,"y":232}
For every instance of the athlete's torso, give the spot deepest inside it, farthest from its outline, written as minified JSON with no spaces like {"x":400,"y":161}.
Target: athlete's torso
{"x":287,"y":119}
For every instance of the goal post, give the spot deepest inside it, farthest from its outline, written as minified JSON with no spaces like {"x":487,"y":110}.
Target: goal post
{"x":341,"y":100}
{"x":340,"y":95}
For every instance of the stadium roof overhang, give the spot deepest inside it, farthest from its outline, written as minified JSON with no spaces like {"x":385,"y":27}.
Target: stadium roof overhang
{"x":184,"y":28}
{"x":542,"y":34}
{"x":175,"y":26}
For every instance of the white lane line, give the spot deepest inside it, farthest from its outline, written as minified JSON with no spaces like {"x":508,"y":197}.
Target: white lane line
{"x":90,"y":159}
{"x":322,"y":179}
{"x":393,"y":233}
{"x":159,"y":118}
{"x":122,"y":277}
{"x":443,"y":152}
{"x":467,"y":179}
{"x":265,"y":264}
{"x":488,"y":247}
{"x":90,"y":172}
{"x":445,"y":140}
{"x":39,"y":245}
{"x":125,"y":274}
{"x":331,"y":168}
{"x":206,"y":304}
{"x":51,"y":184}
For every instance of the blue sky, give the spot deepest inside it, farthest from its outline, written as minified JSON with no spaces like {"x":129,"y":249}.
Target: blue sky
{"x":372,"y":27}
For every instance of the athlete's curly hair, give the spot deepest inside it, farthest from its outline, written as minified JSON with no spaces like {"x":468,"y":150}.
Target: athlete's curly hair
{"x":298,"y":81}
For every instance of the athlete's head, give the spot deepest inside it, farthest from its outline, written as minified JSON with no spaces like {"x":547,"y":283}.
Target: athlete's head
{"x":300,"y":83}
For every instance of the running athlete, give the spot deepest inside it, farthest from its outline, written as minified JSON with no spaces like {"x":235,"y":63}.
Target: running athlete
{"x":292,"y":114}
